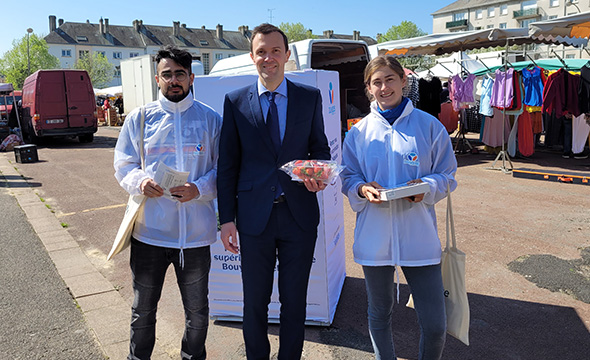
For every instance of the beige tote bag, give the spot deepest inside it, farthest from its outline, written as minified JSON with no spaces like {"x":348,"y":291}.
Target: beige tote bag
{"x":134,"y":205}
{"x":453,"y":276}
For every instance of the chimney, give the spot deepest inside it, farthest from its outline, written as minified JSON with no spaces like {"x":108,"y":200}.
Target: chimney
{"x":60,"y":22}
{"x":106,"y":26}
{"x":100,"y":26}
{"x":243,"y":30}
{"x":379,"y":37}
{"x":203,"y":27}
{"x":356,"y":35}
{"x":220,"y":32}
{"x":328,"y":34}
{"x":52,"y":23}
{"x":183,"y":26}
{"x":175,"y":28}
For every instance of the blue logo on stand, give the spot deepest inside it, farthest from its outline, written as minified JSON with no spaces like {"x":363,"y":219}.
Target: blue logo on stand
{"x":332,"y":107}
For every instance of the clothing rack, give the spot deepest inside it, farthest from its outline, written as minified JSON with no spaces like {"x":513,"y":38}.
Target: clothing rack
{"x":503,"y":154}
{"x":441,"y":64}
{"x":560,"y":59}
{"x":461,"y":64}
{"x":532,"y":60}
{"x":484,"y":64}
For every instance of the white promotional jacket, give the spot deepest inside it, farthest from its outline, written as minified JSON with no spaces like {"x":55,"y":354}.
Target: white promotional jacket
{"x":183,"y":136}
{"x":416,"y":146}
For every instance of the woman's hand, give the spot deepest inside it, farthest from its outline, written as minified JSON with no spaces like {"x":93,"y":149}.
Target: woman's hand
{"x":415,"y":198}
{"x":370,"y":192}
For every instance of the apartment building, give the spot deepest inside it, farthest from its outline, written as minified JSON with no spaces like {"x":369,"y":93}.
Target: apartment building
{"x":68,"y":41}
{"x":463,"y":15}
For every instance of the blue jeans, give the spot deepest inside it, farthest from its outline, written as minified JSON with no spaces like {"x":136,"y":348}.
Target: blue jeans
{"x":427,"y":290}
{"x":148,"y":266}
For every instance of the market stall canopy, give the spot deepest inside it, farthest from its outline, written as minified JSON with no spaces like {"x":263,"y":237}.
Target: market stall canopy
{"x":110,"y":91}
{"x":440,"y":44}
{"x":451,"y":65}
{"x":572,"y":26}
{"x":547,"y":64}
{"x":6,"y":88}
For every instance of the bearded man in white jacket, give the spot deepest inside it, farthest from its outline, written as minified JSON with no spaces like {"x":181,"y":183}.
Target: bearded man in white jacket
{"x":177,"y":227}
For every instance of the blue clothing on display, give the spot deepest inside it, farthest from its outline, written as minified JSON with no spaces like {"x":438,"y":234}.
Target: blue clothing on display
{"x":533,"y":87}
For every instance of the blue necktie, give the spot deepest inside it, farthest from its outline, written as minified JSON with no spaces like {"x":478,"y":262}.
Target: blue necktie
{"x":272,"y":121}
{"x":272,"y":124}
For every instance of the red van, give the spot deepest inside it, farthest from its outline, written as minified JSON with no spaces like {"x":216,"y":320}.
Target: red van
{"x":59,"y":103}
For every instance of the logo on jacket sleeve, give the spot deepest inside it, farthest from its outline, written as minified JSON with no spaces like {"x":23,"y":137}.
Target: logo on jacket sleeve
{"x":200,"y":149}
{"x":411,"y":159}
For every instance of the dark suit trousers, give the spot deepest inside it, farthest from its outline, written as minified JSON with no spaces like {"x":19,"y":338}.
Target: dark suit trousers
{"x":284,"y":239}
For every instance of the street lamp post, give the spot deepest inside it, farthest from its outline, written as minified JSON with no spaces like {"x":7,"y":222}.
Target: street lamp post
{"x":29,"y":31}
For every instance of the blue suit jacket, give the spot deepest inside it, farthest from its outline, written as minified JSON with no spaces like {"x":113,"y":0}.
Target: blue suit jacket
{"x":248,"y":166}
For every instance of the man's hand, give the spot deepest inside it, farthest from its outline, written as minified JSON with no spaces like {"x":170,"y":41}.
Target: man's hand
{"x":415,"y":198}
{"x":185,"y":192}
{"x":314,"y":185}
{"x":370,"y":192}
{"x":151,"y":189}
{"x":229,"y":237}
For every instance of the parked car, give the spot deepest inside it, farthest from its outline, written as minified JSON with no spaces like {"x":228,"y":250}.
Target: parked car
{"x":59,"y":103}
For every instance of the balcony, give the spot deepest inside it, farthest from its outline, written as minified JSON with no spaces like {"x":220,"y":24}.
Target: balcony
{"x":456,"y":24}
{"x":526,"y":14}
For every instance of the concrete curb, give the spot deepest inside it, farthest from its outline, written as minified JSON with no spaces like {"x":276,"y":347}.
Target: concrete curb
{"x":106,"y":312}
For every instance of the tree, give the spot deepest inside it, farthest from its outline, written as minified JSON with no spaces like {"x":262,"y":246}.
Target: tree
{"x":296,"y":31}
{"x":405,"y":30}
{"x":14,"y":63}
{"x":98,"y":67}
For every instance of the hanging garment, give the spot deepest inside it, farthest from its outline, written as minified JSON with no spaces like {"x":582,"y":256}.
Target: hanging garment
{"x":429,"y":91}
{"x":553,"y":129}
{"x":463,"y":91}
{"x":526,"y":139}
{"x":449,"y":117}
{"x":536,"y":122}
{"x":485,"y":103}
{"x":473,"y":119}
{"x":580,"y":132}
{"x":561,"y":94}
{"x":533,"y":87}
{"x":492,"y":133}
{"x":584,"y":89}
{"x":411,"y":90}
{"x":502,"y":91}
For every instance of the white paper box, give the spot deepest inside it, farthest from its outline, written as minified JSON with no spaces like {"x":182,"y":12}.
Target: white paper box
{"x":328,"y":270}
{"x":403,"y":191}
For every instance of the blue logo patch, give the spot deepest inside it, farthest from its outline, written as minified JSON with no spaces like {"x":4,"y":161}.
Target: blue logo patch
{"x":200,"y":149}
{"x":411,"y":159}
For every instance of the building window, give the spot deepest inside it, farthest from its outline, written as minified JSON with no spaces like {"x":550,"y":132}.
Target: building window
{"x":204,"y":42}
{"x":231,"y":55}
{"x":206,"y":64}
{"x":117,"y":71}
{"x":66,"y":53}
{"x":490,"y":27}
{"x":82,"y":53}
{"x":117,"y":55}
{"x":502,"y":25}
{"x":218,"y":57}
{"x":491,"y":12}
{"x":103,"y":53}
{"x":525,"y":23}
{"x":460,"y":16}
{"x":552,"y":17}
{"x":504,"y":9}
{"x":479,"y":14}
{"x":133,"y":54}
{"x":553,"y":3}
{"x":81,"y":38}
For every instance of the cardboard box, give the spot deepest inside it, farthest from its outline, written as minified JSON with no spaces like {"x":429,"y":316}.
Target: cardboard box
{"x":26,"y":153}
{"x":403,"y":191}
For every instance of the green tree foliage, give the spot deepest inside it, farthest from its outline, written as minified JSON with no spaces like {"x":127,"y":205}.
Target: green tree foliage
{"x":14,"y":64}
{"x":405,"y":30}
{"x":98,"y":67}
{"x":296,"y":31}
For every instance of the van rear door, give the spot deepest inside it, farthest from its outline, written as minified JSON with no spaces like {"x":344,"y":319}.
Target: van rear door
{"x":80,"y":98}
{"x":50,"y":100}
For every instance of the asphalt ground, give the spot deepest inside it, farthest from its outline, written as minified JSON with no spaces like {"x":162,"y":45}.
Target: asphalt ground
{"x":526,"y":243}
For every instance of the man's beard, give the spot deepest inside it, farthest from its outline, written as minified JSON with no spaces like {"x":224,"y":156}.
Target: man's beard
{"x":175,"y":97}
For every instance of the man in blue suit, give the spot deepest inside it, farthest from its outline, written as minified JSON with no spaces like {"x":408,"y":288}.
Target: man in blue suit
{"x":266,"y":125}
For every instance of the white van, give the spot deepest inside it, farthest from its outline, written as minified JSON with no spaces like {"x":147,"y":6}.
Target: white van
{"x":348,"y":57}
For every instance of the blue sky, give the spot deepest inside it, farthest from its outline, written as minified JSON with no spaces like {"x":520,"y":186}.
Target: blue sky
{"x":368,"y":17}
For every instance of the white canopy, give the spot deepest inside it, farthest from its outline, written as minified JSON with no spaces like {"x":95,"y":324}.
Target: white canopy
{"x":451,"y":65}
{"x":572,"y":26}
{"x":110,"y":91}
{"x":6,"y":88}
{"x":445,"y":43}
